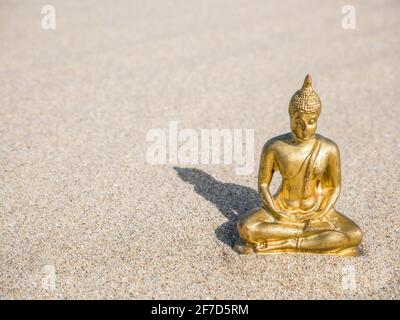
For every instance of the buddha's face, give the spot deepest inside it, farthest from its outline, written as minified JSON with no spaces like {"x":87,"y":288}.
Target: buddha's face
{"x":303,"y":125}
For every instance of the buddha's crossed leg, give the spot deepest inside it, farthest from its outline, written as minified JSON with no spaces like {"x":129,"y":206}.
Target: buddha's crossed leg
{"x":261,"y":230}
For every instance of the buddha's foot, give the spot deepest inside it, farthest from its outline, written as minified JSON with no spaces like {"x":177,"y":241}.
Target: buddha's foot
{"x":288,"y":245}
{"x":242,"y":247}
{"x":350,"y":252}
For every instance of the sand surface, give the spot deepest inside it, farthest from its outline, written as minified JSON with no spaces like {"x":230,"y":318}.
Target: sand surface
{"x":80,"y":202}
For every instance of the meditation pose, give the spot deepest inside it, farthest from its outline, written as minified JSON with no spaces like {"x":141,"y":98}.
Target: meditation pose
{"x":301,"y":216}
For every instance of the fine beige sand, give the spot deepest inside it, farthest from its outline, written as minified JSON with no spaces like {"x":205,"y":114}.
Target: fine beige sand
{"x":84,"y":215}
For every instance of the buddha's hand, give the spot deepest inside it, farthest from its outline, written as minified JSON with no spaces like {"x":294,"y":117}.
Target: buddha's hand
{"x":321,"y":210}
{"x":278,"y":213}
{"x":271,"y":206}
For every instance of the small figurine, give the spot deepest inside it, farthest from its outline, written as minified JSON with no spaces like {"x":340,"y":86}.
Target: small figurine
{"x":301,"y":216}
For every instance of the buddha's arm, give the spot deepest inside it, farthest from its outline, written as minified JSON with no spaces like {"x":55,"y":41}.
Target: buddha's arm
{"x":332,"y":181}
{"x":265,"y":176}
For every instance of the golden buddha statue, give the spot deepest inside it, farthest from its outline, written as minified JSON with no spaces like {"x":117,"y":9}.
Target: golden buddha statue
{"x":301,"y":216}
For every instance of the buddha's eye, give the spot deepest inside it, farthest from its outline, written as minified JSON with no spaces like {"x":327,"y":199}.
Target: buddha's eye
{"x":311,"y":121}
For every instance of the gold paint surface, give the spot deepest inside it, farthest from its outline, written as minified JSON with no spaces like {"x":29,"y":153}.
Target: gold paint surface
{"x":301,"y":216}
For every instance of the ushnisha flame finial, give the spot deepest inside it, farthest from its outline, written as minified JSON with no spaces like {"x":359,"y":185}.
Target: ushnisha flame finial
{"x":306,"y":99}
{"x":307,"y":85}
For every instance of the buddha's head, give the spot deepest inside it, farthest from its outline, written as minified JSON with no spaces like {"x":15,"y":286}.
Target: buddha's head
{"x":304,"y":110}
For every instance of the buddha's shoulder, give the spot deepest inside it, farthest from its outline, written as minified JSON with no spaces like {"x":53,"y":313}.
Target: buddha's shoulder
{"x":281,"y":142}
{"x":277,"y":142}
{"x":327,"y":143}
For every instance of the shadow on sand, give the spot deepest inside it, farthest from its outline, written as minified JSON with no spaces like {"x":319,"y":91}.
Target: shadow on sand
{"x":232,"y":200}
